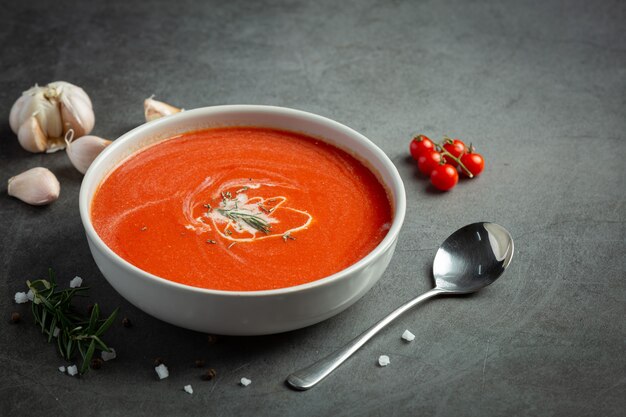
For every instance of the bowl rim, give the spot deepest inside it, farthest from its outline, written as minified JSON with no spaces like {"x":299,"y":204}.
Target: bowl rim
{"x":396,"y":188}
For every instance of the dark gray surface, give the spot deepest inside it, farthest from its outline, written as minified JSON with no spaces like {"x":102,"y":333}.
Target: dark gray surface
{"x":539,"y":87}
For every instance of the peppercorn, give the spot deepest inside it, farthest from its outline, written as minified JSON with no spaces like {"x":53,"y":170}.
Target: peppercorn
{"x":209,"y":374}
{"x":158,"y":361}
{"x":96,"y":363}
{"x":126,"y":322}
{"x":199,"y":363}
{"x":15,"y":317}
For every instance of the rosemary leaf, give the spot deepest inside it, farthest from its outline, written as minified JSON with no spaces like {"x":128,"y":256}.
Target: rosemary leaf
{"x":69,"y":348}
{"x":53,"y":325}
{"x":81,"y":350}
{"x":60,"y":344}
{"x":76,"y":330}
{"x":93,"y":321}
{"x":87,"y":357}
{"x":103,"y":328}
{"x":100,"y":343}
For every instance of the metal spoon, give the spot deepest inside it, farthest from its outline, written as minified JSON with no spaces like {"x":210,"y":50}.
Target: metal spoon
{"x":468,"y":260}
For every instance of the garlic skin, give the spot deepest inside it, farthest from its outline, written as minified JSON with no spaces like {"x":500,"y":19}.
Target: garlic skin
{"x":84,"y":150}
{"x":154,"y":109}
{"x":37,"y":186}
{"x":58,"y":107}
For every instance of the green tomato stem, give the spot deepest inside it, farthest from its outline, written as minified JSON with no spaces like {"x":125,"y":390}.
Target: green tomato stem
{"x":457,"y":160}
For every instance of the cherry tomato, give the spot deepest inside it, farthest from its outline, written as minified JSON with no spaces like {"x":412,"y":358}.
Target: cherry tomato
{"x":419,"y":145}
{"x":456,"y":148}
{"x":474,"y":162}
{"x":444,"y":177}
{"x":428,"y":161}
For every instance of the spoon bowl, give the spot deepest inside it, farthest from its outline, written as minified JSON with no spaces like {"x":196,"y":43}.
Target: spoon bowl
{"x":472,"y":258}
{"x":469,"y":259}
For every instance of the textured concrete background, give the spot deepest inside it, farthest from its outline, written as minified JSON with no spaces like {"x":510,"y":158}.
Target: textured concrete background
{"x":539,"y":87}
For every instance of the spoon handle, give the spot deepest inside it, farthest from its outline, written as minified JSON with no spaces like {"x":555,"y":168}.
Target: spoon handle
{"x":311,"y":375}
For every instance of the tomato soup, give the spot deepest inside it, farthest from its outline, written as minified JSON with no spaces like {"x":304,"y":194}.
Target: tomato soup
{"x":241,"y":209}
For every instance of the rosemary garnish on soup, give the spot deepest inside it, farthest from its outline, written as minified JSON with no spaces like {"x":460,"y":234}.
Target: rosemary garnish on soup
{"x":249,"y":218}
{"x":241,"y":215}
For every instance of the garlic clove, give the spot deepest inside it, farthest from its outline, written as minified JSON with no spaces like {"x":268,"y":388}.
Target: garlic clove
{"x":77,"y":114}
{"x":84,"y":150}
{"x":31,"y":136}
{"x":14,"y":119}
{"x":29,"y":106}
{"x":37,"y":186}
{"x":154,"y":109}
{"x":45,"y":109}
{"x":63,"y":88}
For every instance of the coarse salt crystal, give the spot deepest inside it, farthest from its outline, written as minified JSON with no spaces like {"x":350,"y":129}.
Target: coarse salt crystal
{"x":107,"y":356}
{"x":76,"y":282}
{"x":245,"y":382}
{"x":21,"y":297}
{"x":383,"y":360}
{"x":62,"y":369}
{"x":72,"y":370}
{"x":188,"y":389}
{"x":162,"y":371}
{"x":30,"y":295}
{"x":408,"y":336}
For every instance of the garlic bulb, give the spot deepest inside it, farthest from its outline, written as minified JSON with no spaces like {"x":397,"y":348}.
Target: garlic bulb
{"x":84,"y":150}
{"x":37,"y":186}
{"x":154,"y":109}
{"x":58,"y":107}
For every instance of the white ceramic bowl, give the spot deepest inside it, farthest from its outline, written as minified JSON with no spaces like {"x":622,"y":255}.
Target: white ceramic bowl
{"x":243,"y":312}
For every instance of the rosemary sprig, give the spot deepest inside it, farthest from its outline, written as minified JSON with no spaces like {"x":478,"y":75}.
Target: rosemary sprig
{"x":250,"y":219}
{"x":57,"y":317}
